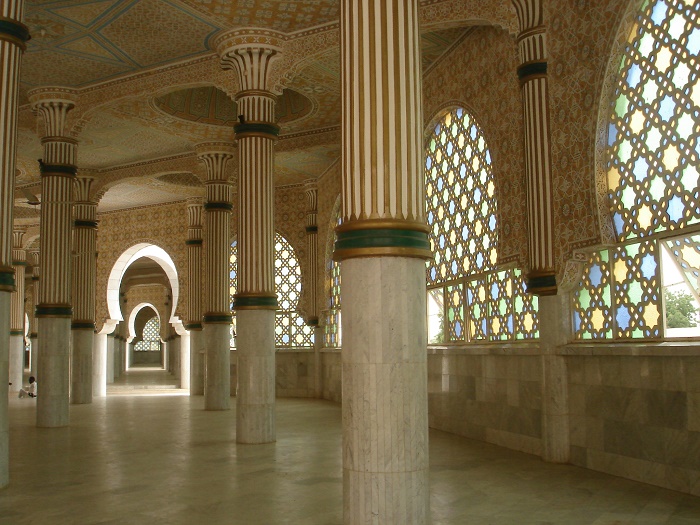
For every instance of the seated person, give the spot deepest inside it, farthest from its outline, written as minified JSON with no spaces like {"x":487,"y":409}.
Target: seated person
{"x":28,"y":390}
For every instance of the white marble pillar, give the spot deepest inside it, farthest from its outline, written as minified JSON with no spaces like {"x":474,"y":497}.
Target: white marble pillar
{"x":217,"y":318}
{"x":382,"y":244}
{"x":185,"y":362}
{"x":5,"y":300}
{"x":110,"y":359}
{"x":58,"y":170}
{"x":84,"y":279}
{"x":19,"y":262}
{"x":250,"y":53}
{"x":99,"y":366}
{"x":33,"y":259}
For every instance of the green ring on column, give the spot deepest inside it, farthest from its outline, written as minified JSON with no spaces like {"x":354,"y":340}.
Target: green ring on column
{"x":255,"y":302}
{"x":379,"y":242}
{"x":19,"y":263}
{"x":532,"y":69}
{"x":35,"y":278}
{"x":79,"y":223}
{"x":16,"y":332}
{"x":312,"y":321}
{"x":541,"y":284}
{"x":14,"y":29}
{"x":217,"y":318}
{"x":193,"y":326}
{"x":82,"y":325}
{"x":257,"y":128}
{"x":213,"y":206}
{"x":193,"y":242}
{"x":57,"y":169}
{"x":312,"y":229}
{"x":54,"y":311}
{"x":7,"y":279}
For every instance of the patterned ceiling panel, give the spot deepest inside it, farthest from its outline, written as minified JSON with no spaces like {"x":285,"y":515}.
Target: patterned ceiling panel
{"x":78,"y":43}
{"x":135,"y":193}
{"x":436,"y":43}
{"x":286,"y":16}
{"x":293,"y":167}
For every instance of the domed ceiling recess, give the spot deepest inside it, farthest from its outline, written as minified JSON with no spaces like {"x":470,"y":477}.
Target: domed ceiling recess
{"x":209,"y":105}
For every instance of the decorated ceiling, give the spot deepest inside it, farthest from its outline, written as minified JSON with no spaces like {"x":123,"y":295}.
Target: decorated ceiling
{"x":150,"y":87}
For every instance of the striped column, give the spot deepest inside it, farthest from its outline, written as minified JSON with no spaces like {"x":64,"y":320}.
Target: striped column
{"x":13,"y":35}
{"x":84,"y":278}
{"x":532,"y":72}
{"x":194,"y":295}
{"x":250,"y":54}
{"x":33,"y":259}
{"x":311,"y":190}
{"x":19,"y":262}
{"x":216,"y":335}
{"x":383,"y":244}
{"x":54,"y":309}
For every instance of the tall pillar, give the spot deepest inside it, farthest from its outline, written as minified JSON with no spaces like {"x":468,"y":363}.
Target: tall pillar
{"x":13,"y":35}
{"x":383,"y":244}
{"x":84,"y":277}
{"x":99,"y":366}
{"x":311,"y":281}
{"x":33,"y":259}
{"x":194,"y":294}
{"x":255,"y":302}
{"x":19,"y":262}
{"x":541,"y":279}
{"x":217,"y":317}
{"x":54,"y":311}
{"x":110,"y":358}
{"x":532,"y":72}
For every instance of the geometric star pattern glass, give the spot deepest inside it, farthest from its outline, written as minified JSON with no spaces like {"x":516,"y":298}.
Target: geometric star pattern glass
{"x":481,"y":302}
{"x":290,"y":329}
{"x":653,"y":161}
{"x":150,"y":341}
{"x":332,"y":325}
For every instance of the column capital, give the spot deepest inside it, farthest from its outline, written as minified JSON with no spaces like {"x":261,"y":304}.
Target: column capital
{"x":249,"y":51}
{"x":14,"y":31}
{"x":53,"y":104}
{"x":18,"y":237}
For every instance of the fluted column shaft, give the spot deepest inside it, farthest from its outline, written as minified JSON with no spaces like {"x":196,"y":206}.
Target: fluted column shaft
{"x":311,"y":190}
{"x":532,"y":72}
{"x":13,"y":35}
{"x":19,"y":261}
{"x":54,"y":310}
{"x":217,"y":317}
{"x":250,"y":56}
{"x":194,"y":295}
{"x":84,"y":278}
{"x":383,"y":244}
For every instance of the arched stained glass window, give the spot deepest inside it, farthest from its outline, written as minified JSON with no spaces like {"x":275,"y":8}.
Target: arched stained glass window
{"x":333,"y":332}
{"x":150,"y":341}
{"x":290,"y":329}
{"x":469,"y":298}
{"x":652,"y":160}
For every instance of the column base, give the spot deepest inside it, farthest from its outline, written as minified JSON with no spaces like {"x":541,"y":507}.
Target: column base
{"x":217,"y":387}
{"x":81,"y":367}
{"x":5,"y":301}
{"x":16,"y":362}
{"x":53,"y":375}
{"x":99,"y":366}
{"x":196,"y":363}
{"x":255,"y":397}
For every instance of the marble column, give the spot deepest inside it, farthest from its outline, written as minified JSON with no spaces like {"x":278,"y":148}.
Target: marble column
{"x":532,"y":72}
{"x":194,"y":294}
{"x":54,"y":311}
{"x":110,"y":358}
{"x":217,"y":317}
{"x":84,"y":277}
{"x":311,"y":280}
{"x":13,"y":35}
{"x":19,"y":262}
{"x":383,"y":244}
{"x":250,"y":55}
{"x":33,"y":260}
{"x":99,"y":366}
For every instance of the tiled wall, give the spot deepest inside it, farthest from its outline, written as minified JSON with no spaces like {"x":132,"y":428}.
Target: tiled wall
{"x":331,"y":375}
{"x":637,"y":417}
{"x":493,"y":398}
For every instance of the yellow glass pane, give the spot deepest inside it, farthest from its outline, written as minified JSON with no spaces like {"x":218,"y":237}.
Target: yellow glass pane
{"x":671,"y":156}
{"x":663,"y":59}
{"x":620,"y":270}
{"x":651,"y":315}
{"x":496,"y":325}
{"x":613,"y":179}
{"x":637,"y":121}
{"x":597,"y":320}
{"x":528,"y":322}
{"x":645,"y":216}
{"x":691,"y":256}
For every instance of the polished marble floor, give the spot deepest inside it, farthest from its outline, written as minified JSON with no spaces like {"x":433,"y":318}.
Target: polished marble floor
{"x":149,"y":456}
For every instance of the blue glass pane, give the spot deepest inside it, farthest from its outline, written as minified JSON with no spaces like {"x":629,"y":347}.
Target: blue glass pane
{"x":595,"y":275}
{"x":658,"y":14}
{"x":431,"y":217}
{"x":428,"y":163}
{"x":472,"y":132}
{"x":511,"y":328}
{"x":648,"y":266}
{"x":612,"y":134}
{"x":675,"y":209}
{"x":619,"y":223}
{"x":479,"y":261}
{"x":450,"y":149}
{"x":641,"y":167}
{"x":454,"y":268}
{"x":623,"y":318}
{"x":492,"y":223}
{"x":458,"y":329}
{"x":666,"y":108}
{"x":433,"y":274}
{"x":483,"y":325}
{"x":577,"y":321}
{"x":477,"y":195}
{"x":694,"y":42}
{"x":634,"y":76}
{"x":460,"y":112}
{"x":494,"y":291}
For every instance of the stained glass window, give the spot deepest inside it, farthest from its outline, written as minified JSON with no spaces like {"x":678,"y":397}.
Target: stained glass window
{"x":468,"y":295}
{"x":290,"y":329}
{"x":652,"y":161}
{"x":150,"y":338}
